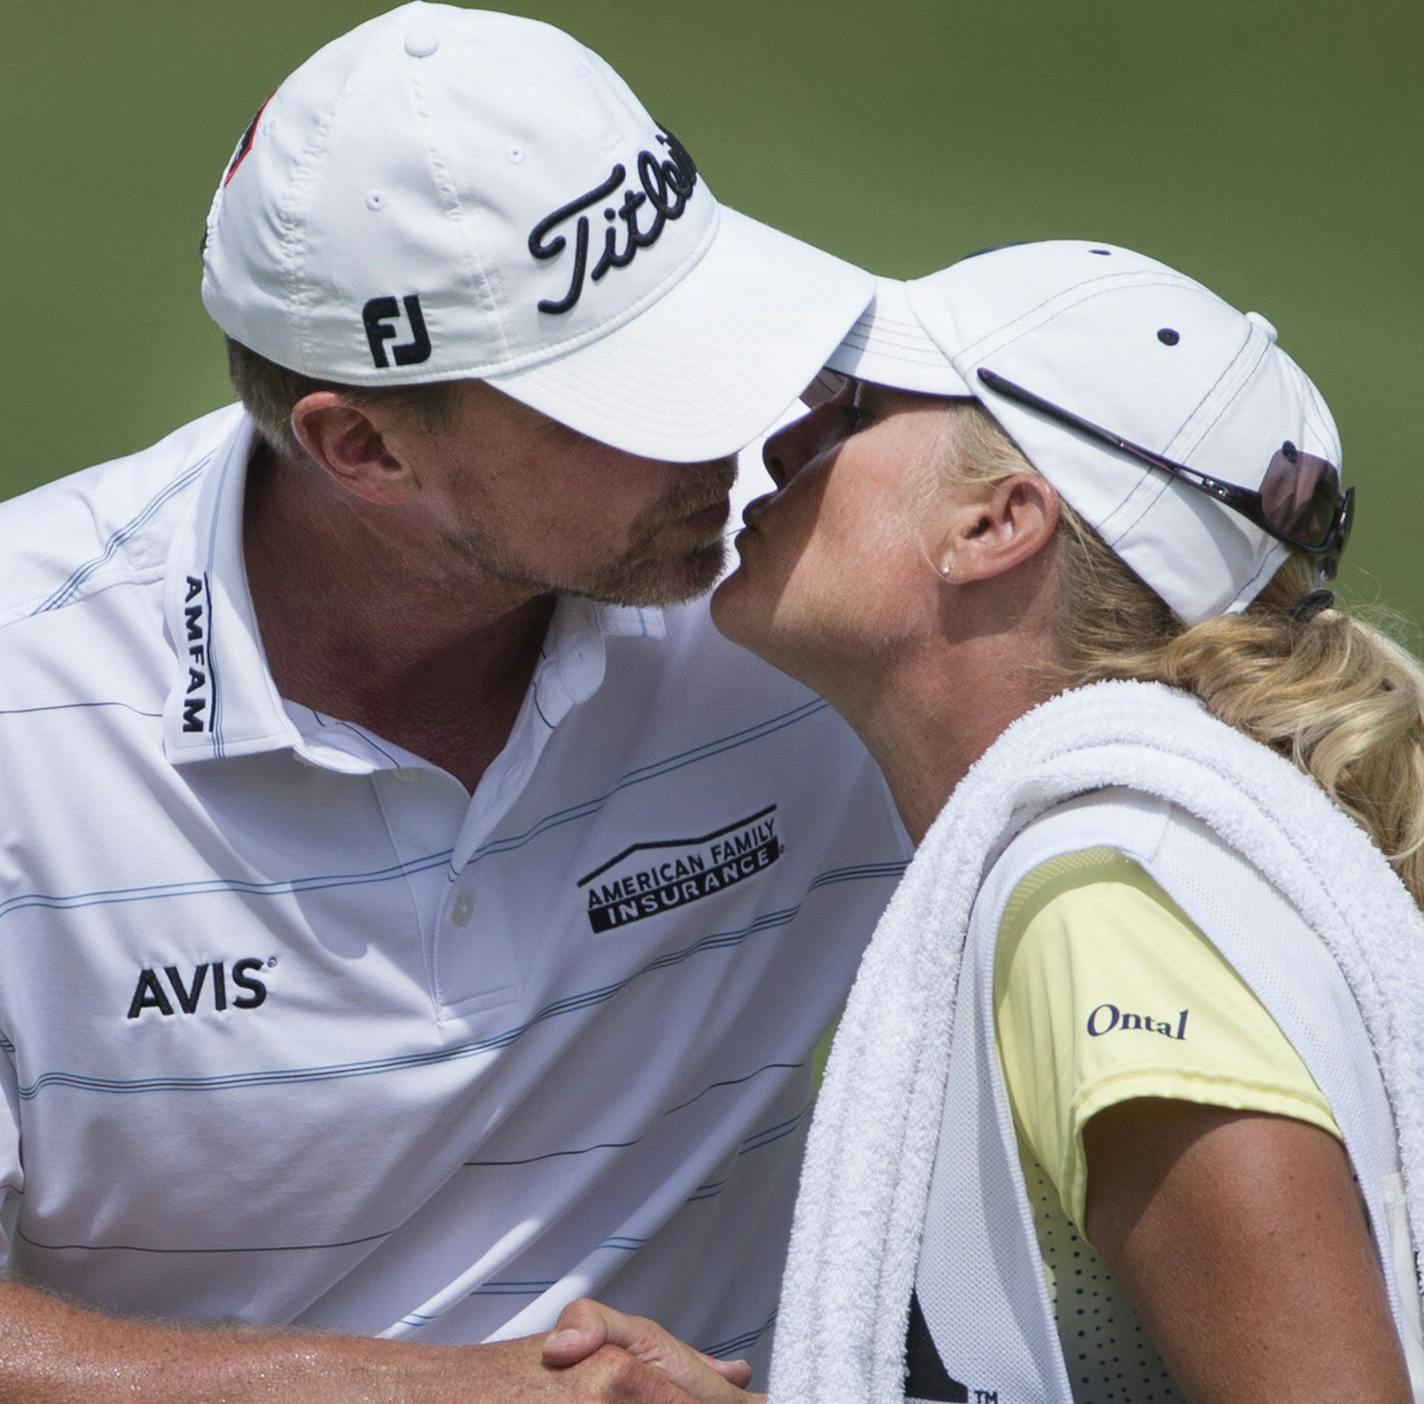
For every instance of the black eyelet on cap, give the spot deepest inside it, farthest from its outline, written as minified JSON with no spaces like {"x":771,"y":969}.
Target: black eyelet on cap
{"x":1168,"y":337}
{"x":1106,"y":253}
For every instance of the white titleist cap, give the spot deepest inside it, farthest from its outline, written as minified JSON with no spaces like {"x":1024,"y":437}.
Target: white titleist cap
{"x":1126,"y":343}
{"x":445,"y":193}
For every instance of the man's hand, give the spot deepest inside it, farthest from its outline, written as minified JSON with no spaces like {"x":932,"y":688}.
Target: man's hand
{"x":587,"y":1329}
{"x":52,"y":1352}
{"x":599,"y":1372}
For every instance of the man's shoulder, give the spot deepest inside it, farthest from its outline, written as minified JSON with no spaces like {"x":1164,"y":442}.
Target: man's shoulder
{"x":63,"y":541}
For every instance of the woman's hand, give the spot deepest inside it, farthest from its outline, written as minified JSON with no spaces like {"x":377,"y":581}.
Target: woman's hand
{"x":585,"y":1326}
{"x":1242,"y":1242}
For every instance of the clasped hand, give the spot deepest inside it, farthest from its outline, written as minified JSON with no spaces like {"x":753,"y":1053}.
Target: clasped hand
{"x":636,"y":1361}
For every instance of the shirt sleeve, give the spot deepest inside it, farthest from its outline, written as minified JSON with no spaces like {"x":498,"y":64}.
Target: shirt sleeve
{"x":1105,"y":991}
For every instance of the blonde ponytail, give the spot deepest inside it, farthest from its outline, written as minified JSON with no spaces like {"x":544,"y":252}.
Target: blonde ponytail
{"x":1329,"y":692}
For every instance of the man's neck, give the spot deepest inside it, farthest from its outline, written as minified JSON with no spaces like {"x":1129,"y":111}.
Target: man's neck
{"x":359,"y":624}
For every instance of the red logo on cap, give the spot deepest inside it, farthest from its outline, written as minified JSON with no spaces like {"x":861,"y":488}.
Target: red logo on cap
{"x":245,"y":145}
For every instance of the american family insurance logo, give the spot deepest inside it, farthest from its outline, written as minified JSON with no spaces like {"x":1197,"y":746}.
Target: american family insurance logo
{"x":654,"y":877}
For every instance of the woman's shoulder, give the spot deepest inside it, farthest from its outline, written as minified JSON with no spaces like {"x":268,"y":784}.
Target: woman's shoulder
{"x":1084,"y":839}
{"x":1117,"y":850}
{"x":1108,"y":833}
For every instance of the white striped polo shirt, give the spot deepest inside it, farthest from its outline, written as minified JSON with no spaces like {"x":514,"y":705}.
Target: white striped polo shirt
{"x":297,"y":1031}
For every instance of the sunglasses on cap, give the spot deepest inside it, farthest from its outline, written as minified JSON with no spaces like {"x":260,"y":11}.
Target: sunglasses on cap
{"x":1298,"y":503}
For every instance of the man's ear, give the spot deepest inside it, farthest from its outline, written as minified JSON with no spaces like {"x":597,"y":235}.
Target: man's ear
{"x":1011,"y":522}
{"x":358,"y":451}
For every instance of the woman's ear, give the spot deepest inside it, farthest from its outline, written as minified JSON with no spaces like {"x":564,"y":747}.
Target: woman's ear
{"x":998,"y":529}
{"x":358,"y":451}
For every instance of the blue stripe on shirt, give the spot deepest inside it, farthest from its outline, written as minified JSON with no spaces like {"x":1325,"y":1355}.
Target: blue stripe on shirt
{"x":70,"y":706}
{"x":81,"y":573}
{"x":733,"y":1344}
{"x":278,"y":887}
{"x":637,"y":1140}
{"x":620,"y":1243}
{"x":720,"y":940}
{"x":648,"y":772}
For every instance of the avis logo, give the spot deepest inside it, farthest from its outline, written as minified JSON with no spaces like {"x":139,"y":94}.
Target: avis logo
{"x":150,"y":993}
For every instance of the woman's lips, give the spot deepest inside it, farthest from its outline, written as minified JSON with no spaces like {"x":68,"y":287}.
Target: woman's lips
{"x":754,"y":509}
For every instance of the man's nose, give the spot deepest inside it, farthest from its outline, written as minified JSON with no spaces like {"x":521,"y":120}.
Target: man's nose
{"x":788,"y":450}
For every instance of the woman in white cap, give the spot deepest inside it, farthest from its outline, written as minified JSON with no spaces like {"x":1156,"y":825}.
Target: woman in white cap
{"x":1126,"y":1104}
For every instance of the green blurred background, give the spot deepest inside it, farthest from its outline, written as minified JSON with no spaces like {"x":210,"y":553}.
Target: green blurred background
{"x":1269,"y":147}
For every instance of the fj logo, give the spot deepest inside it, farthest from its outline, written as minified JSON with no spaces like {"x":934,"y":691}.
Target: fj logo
{"x":648,"y":878}
{"x":212,"y":979}
{"x":381,"y":316}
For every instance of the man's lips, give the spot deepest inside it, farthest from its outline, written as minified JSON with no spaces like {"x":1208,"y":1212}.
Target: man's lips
{"x":707,"y":519}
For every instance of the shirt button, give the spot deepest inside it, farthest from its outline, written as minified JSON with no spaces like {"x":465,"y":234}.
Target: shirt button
{"x":460,"y":912}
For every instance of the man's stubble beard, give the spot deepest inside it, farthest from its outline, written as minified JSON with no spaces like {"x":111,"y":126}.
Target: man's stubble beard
{"x":650,"y":582}
{"x":641,"y":574}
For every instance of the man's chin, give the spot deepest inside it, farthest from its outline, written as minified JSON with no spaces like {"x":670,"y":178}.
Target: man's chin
{"x":655,"y":584}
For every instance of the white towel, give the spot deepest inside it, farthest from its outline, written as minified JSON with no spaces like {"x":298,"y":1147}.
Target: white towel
{"x":855,"y":1240}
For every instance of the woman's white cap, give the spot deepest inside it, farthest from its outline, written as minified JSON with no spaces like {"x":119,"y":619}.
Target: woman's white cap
{"x":446,"y":193}
{"x":1127,"y":343}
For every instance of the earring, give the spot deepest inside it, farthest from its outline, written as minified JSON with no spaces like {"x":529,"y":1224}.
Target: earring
{"x":946,"y":566}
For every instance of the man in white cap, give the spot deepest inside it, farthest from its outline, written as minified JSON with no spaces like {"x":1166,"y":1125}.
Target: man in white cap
{"x":414,"y":918}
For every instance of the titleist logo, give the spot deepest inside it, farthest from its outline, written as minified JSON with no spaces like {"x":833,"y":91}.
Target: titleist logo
{"x":667,"y":182}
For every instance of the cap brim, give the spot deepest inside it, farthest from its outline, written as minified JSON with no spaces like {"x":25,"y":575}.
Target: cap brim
{"x":711,"y":365}
{"x":889,"y":346}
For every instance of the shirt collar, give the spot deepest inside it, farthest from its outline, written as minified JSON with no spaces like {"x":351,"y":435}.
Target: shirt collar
{"x":224,"y":703}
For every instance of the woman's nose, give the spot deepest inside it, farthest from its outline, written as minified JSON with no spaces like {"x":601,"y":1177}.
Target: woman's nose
{"x":788,"y":450}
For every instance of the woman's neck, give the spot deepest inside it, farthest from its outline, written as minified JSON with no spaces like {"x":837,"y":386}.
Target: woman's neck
{"x":927,"y":723}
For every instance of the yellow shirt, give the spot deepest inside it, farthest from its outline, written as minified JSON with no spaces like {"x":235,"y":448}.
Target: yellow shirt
{"x":1105,"y":991}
